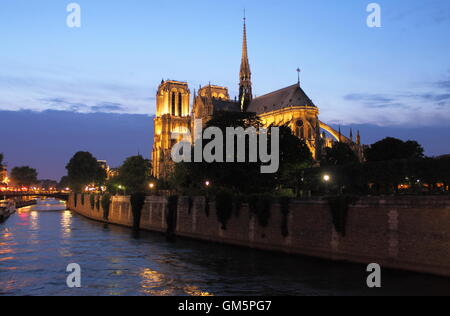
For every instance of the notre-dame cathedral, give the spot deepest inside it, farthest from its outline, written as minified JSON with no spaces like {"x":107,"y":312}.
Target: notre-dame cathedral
{"x":288,"y":106}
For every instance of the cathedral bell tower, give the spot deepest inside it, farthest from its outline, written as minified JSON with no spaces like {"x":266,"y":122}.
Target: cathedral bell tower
{"x":245,"y":75}
{"x":172,"y":118}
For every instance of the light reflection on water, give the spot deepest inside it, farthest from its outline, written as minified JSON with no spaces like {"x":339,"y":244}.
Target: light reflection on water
{"x":36,"y":247}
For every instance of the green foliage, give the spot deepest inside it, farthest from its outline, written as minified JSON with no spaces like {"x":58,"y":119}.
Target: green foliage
{"x":137,"y":201}
{"x":293,"y":150}
{"x":339,"y":206}
{"x":284,"y":206}
{"x":340,"y":154}
{"x":112,"y":185}
{"x":260,"y":205}
{"x":224,"y":207}
{"x":243,"y":178}
{"x":64,"y":182}
{"x":171,"y":219}
{"x":25,"y":176}
{"x":134,"y":174}
{"x":380,"y":177}
{"x":237,"y":177}
{"x":92,"y":200}
{"x":394,"y":149}
{"x":106,"y":203}
{"x":83,"y":169}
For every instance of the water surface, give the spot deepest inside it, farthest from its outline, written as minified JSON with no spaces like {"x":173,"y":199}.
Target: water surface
{"x":36,"y":247}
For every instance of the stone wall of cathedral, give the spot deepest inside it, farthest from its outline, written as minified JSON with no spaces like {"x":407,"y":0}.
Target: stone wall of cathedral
{"x":172,"y":118}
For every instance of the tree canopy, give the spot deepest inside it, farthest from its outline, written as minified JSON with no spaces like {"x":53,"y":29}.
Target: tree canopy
{"x":392,"y":149}
{"x":25,"y":176}
{"x":134,"y":174}
{"x":338,"y":155}
{"x":64,"y":182}
{"x":243,"y":177}
{"x":83,"y":169}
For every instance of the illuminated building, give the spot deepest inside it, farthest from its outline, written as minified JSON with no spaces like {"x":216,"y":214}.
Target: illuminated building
{"x":172,"y":116}
{"x":289,"y":106}
{"x":4,"y":175}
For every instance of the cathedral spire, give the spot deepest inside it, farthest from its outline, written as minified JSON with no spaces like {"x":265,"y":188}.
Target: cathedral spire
{"x":245,"y":75}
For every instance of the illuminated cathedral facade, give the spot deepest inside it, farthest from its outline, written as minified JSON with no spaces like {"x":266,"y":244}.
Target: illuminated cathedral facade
{"x":289,"y":106}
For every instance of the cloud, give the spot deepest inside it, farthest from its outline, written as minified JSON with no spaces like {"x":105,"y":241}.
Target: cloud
{"x":108,"y":107}
{"x":435,"y":97}
{"x":445,"y":84}
{"x":377,"y":101}
{"x":43,"y":90}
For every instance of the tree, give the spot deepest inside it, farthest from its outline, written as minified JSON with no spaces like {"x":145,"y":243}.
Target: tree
{"x":83,"y":169}
{"x":295,"y":156}
{"x":1,"y":160}
{"x":338,"y":155}
{"x":392,"y":149}
{"x":25,"y":176}
{"x":134,"y":174}
{"x":293,"y":150}
{"x":64,"y":183}
{"x":243,"y":177}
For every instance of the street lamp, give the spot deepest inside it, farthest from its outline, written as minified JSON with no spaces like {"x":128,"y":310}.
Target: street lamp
{"x":327,"y":180}
{"x":207,"y":183}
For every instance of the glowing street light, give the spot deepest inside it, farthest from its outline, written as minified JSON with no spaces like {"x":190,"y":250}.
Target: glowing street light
{"x":152,"y":186}
{"x":207,"y":183}
{"x":327,"y":180}
{"x":120,"y":187}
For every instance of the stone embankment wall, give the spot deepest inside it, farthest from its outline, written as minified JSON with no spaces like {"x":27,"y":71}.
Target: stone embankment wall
{"x":408,"y":233}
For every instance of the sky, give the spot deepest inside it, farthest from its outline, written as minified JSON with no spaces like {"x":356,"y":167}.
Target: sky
{"x":392,"y":78}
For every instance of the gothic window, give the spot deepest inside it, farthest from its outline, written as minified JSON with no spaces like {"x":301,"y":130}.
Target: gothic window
{"x":173,"y":102}
{"x":180,"y":104}
{"x":300,"y":129}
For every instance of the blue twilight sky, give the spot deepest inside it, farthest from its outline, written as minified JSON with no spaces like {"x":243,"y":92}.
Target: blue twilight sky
{"x":394,"y":76}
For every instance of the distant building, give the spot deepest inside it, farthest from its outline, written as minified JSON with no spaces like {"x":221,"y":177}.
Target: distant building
{"x":3,"y":174}
{"x":104,"y":165}
{"x":288,"y":106}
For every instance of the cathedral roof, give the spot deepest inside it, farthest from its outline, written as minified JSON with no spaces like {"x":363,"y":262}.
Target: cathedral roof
{"x":221,"y":105}
{"x":226,"y":106}
{"x":283,"y":98}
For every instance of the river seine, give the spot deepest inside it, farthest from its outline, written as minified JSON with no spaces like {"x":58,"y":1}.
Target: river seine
{"x":36,"y":248}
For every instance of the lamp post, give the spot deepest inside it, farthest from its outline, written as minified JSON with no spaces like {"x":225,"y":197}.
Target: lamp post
{"x":326,"y":179}
{"x":152,"y":187}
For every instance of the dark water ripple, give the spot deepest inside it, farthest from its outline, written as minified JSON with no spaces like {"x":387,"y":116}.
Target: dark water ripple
{"x":36,"y":247}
